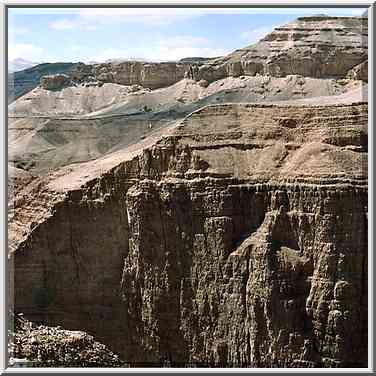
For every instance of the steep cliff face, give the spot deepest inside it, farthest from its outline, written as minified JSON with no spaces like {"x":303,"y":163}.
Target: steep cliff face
{"x":310,"y":46}
{"x":239,"y":239}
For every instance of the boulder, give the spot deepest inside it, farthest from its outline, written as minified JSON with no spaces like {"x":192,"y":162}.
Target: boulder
{"x":55,"y":82}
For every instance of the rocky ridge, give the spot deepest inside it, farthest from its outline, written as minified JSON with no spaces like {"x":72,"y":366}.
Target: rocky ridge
{"x":318,"y":47}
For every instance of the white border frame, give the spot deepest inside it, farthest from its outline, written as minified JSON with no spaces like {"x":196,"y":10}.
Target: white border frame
{"x":142,"y":3}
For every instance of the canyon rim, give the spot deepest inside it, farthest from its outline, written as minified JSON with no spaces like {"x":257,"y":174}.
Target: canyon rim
{"x":188,"y":210}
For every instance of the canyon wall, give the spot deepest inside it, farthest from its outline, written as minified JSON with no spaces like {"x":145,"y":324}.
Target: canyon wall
{"x":237,"y":240}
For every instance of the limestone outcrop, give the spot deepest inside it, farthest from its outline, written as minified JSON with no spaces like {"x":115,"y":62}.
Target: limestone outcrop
{"x":239,"y":239}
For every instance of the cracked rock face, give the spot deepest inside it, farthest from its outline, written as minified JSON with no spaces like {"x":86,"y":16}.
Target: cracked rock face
{"x":239,"y":239}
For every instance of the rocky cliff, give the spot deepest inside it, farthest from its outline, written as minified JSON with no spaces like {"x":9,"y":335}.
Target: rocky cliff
{"x":238,"y":239}
{"x":150,"y":75}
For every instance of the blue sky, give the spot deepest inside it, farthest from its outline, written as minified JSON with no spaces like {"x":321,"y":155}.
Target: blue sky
{"x":95,"y":34}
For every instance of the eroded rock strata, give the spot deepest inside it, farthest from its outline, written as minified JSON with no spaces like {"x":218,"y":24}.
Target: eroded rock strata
{"x":150,"y":75}
{"x":239,"y":239}
{"x":319,"y":46}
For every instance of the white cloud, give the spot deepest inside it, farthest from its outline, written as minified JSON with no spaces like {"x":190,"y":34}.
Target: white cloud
{"x":18,"y":30}
{"x":144,"y":15}
{"x":176,"y":53}
{"x":63,"y":24}
{"x":108,"y":53}
{"x":26,"y":51}
{"x":69,"y":24}
{"x":92,"y":18}
{"x":252,"y":36}
{"x":173,"y":48}
{"x":75,"y":47}
{"x":183,"y":41}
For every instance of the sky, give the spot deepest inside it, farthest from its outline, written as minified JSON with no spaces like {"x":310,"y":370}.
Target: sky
{"x":156,"y":34}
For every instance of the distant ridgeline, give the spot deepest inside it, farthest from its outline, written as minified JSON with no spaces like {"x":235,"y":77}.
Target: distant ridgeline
{"x":318,"y":47}
{"x":21,"y":82}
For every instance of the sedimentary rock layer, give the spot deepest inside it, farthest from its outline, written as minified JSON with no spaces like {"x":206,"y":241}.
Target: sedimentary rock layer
{"x":310,"y":46}
{"x":239,"y":239}
{"x":150,"y":75}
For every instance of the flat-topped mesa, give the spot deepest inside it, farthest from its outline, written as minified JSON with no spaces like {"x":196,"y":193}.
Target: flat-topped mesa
{"x":315,"y":46}
{"x":214,"y":246}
